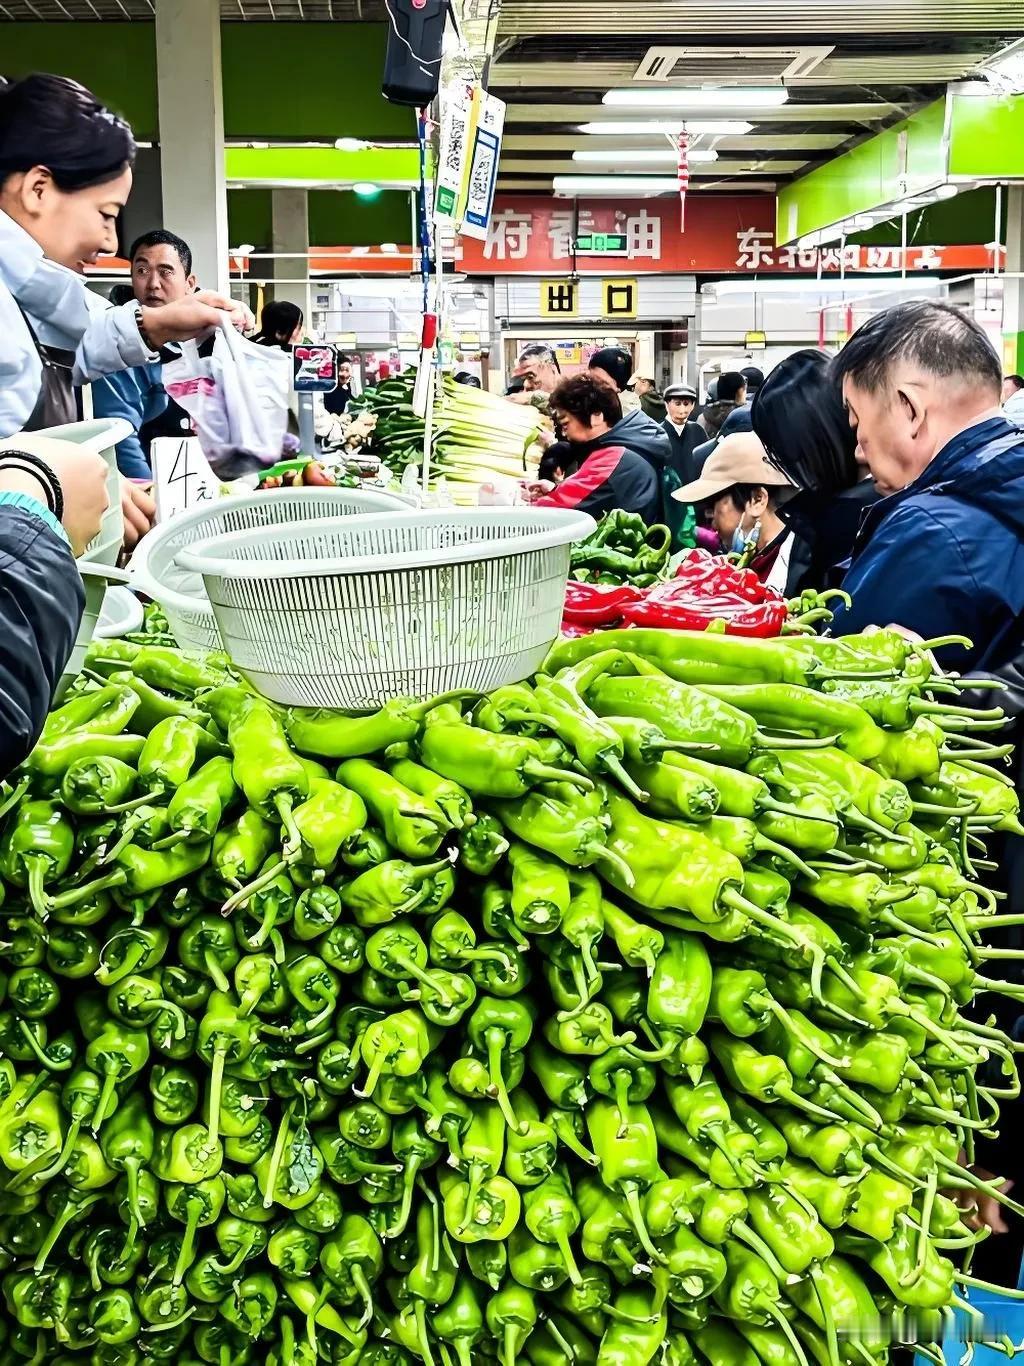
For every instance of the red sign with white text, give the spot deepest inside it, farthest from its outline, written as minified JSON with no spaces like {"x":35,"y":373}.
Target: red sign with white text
{"x":724,"y":235}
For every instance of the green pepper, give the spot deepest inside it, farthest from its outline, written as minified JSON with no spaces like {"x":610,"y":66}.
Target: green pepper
{"x":100,"y":785}
{"x":330,"y":735}
{"x":459,"y":1322}
{"x":486,"y":765}
{"x":637,"y":1332}
{"x":511,"y":1316}
{"x":36,"y":848}
{"x":398,"y":1044}
{"x":482,"y":846}
{"x":499,"y":1028}
{"x":387,"y":890}
{"x":293,"y":1250}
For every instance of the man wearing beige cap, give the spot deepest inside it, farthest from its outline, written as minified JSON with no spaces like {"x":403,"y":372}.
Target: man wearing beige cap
{"x":646,"y":391}
{"x":741,"y":492}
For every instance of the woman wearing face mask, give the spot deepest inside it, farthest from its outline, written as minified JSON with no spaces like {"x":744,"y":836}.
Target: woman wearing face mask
{"x":65,"y":174}
{"x":741,"y":491}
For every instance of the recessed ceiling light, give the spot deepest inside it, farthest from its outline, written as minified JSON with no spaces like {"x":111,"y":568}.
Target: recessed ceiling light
{"x":736,"y":128}
{"x":947,"y":191}
{"x":705,"y":97}
{"x":350,"y":144}
{"x":615,"y":184}
{"x":366,"y":189}
{"x":645,"y":154}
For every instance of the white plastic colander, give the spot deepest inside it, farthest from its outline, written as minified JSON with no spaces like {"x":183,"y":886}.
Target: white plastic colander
{"x":346,"y":614}
{"x":155,"y":570}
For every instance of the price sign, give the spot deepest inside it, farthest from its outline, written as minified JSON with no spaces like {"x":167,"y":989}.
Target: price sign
{"x":315,"y":369}
{"x":182,"y":478}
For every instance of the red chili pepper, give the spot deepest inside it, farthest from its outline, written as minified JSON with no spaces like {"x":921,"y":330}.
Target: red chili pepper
{"x":678,"y":606}
{"x":598,"y":604}
{"x":707,"y":573}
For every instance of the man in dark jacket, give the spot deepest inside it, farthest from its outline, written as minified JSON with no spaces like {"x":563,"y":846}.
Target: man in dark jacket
{"x":942,"y":552}
{"x":611,"y":473}
{"x":684,"y":435}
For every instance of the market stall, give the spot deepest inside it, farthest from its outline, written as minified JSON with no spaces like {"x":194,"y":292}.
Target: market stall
{"x":619,"y":1014}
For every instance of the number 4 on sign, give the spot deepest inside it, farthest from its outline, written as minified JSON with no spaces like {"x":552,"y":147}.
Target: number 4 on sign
{"x":182,"y":477}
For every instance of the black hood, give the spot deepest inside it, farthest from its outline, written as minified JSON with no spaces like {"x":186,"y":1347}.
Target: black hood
{"x":636,"y":432}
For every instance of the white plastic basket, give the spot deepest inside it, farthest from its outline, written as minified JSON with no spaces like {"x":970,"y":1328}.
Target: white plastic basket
{"x":155,"y":570}
{"x":97,"y":561}
{"x":96,"y":578}
{"x":345,"y":614}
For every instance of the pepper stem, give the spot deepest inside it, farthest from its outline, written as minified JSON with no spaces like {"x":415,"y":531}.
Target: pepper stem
{"x":783,"y":852}
{"x":250,"y":889}
{"x":216,"y":1082}
{"x":40,"y":1054}
{"x":545,"y":773}
{"x":412,"y":1167}
{"x":423,"y":1337}
{"x":602,"y":854}
{"x":756,"y":1243}
{"x":495,"y":1042}
{"x":188,"y":1242}
{"x":612,"y":764}
{"x":283,"y":803}
{"x":636,"y":1217}
{"x":802,"y":1103}
{"x":363,"y":1290}
{"x":14,"y":796}
{"x":276,"y":1158}
{"x":776,"y":1313}
{"x":763,"y":741}
{"x":568,"y":1138}
{"x":38,"y":866}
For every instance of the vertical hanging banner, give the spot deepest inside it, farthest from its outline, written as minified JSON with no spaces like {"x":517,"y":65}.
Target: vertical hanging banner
{"x":483,"y":167}
{"x":460,"y":101}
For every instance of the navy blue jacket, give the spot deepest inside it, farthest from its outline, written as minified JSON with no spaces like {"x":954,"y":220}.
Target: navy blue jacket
{"x":41,"y":602}
{"x":945,"y":555}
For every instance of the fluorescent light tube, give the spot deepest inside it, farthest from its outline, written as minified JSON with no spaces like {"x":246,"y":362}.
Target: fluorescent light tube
{"x":645,"y":154}
{"x":735,"y":128}
{"x":704,"y":97}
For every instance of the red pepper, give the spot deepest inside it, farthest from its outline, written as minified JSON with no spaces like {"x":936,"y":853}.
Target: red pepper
{"x":678,"y":605}
{"x":707,"y":573}
{"x":598,"y":604}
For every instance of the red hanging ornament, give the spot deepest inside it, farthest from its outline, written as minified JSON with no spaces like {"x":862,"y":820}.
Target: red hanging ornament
{"x":683,"y":174}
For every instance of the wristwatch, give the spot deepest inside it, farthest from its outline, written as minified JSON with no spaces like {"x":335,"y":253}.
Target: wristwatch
{"x":147,"y":341}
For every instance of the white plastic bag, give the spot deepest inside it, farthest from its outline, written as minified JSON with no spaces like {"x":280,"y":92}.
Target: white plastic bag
{"x":237,"y":397}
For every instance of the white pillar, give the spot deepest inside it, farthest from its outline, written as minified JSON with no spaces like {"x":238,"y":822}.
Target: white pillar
{"x":191,"y":114}
{"x":290,"y":216}
{"x":1013,"y":290}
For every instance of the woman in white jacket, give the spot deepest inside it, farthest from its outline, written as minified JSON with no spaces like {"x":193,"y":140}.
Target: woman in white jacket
{"x":65,"y":175}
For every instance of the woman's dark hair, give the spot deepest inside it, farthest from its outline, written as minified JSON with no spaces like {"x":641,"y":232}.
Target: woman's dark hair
{"x":278,"y":321}
{"x":798,"y":413}
{"x":741,"y":494}
{"x":582,"y":396}
{"x":53,"y":122}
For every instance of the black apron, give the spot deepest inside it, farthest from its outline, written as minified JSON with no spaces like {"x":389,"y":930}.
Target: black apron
{"x":57,"y":403}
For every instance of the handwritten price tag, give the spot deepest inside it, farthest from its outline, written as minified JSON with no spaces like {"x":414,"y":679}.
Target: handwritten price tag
{"x":182,"y":477}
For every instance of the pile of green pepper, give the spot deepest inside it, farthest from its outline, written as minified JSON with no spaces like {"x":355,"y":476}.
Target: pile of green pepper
{"x":613,"y":1017}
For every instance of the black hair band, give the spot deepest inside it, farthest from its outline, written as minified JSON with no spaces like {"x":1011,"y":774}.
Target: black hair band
{"x":32,"y":464}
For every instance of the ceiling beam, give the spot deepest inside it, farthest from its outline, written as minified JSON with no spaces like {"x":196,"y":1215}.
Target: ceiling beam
{"x":758,"y":142}
{"x":536,"y":18}
{"x":565,"y":166}
{"x":787,"y":113}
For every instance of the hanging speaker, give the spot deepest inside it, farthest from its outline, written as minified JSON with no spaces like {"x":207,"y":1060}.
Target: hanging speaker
{"x":412,"y":64}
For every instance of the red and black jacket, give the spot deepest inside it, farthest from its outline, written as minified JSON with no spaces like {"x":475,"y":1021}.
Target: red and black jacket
{"x":610,"y":477}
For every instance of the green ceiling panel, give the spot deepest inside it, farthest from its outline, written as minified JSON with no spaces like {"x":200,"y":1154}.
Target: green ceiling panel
{"x":303,"y":81}
{"x":312,"y":166}
{"x":987,"y":137}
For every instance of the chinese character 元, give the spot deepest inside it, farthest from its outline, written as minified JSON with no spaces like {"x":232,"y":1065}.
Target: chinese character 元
{"x":754,"y":249}
{"x":508,"y":237}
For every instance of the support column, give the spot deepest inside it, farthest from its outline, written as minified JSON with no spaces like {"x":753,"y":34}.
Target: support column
{"x":1013,"y":290}
{"x":191,"y":113}
{"x":290,"y":216}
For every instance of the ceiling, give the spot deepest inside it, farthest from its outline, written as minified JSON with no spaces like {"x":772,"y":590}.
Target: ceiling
{"x":58,"y":11}
{"x":849,"y":68}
